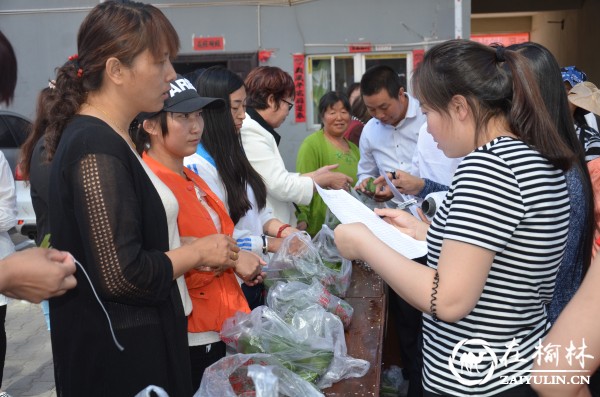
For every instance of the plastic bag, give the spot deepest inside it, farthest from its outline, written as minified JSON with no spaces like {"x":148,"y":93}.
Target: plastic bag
{"x":313,"y":345}
{"x":288,"y":298}
{"x":266,"y":383}
{"x":330,"y":219}
{"x":298,"y":259}
{"x":332,"y":259}
{"x":391,"y":380}
{"x":239,"y":374}
{"x":263,"y":331}
{"x":367,"y":200}
{"x":152,"y":391}
{"x":316,"y":322}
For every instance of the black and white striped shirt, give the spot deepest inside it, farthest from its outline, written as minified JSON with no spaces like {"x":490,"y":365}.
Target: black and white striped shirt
{"x":505,"y":197}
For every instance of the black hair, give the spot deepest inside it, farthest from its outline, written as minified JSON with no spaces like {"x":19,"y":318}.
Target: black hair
{"x":8,"y":70}
{"x":381,"y":77}
{"x":351,"y":88}
{"x":223,"y":143}
{"x":140,"y":137}
{"x":547,"y":73}
{"x":123,"y":30}
{"x":494,"y":82}
{"x":329,"y":99}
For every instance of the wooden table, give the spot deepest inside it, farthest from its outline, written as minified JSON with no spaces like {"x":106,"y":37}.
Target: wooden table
{"x":364,"y":336}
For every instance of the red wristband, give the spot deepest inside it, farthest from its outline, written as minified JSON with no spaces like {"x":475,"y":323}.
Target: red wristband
{"x":281,"y":229}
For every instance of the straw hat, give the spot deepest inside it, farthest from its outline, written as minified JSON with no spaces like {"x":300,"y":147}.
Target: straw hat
{"x":586,"y":96}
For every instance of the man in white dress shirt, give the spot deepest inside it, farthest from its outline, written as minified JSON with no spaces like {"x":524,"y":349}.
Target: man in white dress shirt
{"x":388,"y":143}
{"x":389,"y":139}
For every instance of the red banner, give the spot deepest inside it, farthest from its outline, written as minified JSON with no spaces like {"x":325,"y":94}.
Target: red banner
{"x":417,"y":57}
{"x":360,"y":47}
{"x":300,"y":89}
{"x":209,"y":43}
{"x":505,"y":39}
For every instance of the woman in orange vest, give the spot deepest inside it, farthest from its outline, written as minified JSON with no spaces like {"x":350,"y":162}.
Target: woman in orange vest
{"x":164,"y":139}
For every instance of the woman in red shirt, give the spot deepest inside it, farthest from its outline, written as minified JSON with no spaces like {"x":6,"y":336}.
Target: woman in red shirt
{"x":164,"y":139}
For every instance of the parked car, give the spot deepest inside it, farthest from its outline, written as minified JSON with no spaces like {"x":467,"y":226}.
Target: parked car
{"x":14,"y":129}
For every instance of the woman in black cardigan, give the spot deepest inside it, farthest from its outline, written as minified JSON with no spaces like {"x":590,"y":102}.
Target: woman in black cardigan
{"x":114,"y":216}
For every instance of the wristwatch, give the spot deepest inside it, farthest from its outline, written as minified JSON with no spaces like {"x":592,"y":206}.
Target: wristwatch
{"x":265,"y":247}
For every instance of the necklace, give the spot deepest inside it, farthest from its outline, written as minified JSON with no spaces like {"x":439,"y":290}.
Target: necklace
{"x":110,"y":119}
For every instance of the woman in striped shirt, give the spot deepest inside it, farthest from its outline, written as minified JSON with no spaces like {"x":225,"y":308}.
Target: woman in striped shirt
{"x":497,"y":240}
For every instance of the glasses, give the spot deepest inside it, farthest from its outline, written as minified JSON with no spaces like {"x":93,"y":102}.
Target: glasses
{"x":290,"y":104}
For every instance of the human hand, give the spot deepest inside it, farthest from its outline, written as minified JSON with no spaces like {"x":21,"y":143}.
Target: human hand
{"x":302,"y":225}
{"x":405,"y":222}
{"x":349,"y":239}
{"x":376,"y":188}
{"x":326,"y":178}
{"x":217,"y":251}
{"x":404,"y":182}
{"x":249,"y":267}
{"x":36,"y":274}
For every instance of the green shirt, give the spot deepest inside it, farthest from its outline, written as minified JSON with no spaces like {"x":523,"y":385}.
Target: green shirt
{"x":315,"y":152}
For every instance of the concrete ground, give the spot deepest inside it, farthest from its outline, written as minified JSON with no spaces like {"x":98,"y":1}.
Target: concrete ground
{"x":28,"y":369}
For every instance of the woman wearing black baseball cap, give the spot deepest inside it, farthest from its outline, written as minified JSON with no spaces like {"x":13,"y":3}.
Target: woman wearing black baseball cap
{"x":164,"y":139}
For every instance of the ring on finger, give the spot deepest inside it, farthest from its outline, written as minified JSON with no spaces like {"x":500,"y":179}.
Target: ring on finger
{"x":235,"y":256}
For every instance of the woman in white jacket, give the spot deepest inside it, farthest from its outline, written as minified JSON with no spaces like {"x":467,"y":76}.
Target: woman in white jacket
{"x":8,"y":219}
{"x":270,"y":96}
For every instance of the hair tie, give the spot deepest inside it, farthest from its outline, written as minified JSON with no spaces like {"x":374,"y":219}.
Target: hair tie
{"x":500,"y":54}
{"x":74,"y":59}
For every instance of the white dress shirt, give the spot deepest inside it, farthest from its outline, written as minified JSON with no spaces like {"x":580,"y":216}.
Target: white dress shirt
{"x":390,"y":147}
{"x":8,"y":212}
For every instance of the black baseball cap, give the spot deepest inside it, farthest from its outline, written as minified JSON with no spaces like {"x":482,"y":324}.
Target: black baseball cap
{"x":183,"y":98}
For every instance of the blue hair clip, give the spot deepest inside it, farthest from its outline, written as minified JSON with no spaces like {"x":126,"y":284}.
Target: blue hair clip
{"x":572,"y":75}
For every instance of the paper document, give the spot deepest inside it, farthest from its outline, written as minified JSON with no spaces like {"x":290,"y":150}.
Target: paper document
{"x":348,"y":210}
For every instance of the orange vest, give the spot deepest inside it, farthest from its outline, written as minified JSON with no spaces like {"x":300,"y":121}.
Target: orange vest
{"x":213,"y":298}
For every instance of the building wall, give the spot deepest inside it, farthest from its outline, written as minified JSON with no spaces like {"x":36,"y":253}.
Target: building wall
{"x":44,"y":39}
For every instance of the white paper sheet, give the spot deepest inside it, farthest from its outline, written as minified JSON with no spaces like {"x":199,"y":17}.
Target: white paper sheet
{"x":348,"y":210}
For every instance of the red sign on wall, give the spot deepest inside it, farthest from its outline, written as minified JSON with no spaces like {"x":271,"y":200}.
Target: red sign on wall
{"x":505,"y":39}
{"x":360,"y":47}
{"x":417,"y":57}
{"x":209,"y":43}
{"x":300,"y":89}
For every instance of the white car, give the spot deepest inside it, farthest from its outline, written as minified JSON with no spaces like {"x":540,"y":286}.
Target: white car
{"x":14,"y":129}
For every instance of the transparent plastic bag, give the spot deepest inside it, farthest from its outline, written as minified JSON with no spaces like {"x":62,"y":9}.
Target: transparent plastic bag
{"x":330,"y":219}
{"x":333,"y":260}
{"x":315,"y":322}
{"x":263,"y":331}
{"x":313,"y":345}
{"x":253,"y":375}
{"x":152,"y":391}
{"x":298,"y":259}
{"x":286,"y":298}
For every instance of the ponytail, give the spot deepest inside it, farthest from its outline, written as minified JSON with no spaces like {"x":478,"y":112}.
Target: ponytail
{"x":529,"y":118}
{"x":496,"y":82}
{"x":64,"y":102}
